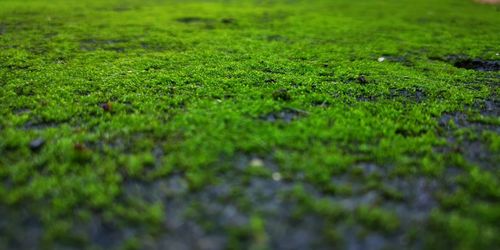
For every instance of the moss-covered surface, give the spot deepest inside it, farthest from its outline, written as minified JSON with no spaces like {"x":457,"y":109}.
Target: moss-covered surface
{"x":249,"y":124}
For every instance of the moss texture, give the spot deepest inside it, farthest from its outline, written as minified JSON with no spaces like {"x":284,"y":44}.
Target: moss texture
{"x":249,"y":124}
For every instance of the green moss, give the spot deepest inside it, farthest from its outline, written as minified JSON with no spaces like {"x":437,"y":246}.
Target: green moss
{"x":462,"y":232}
{"x":148,"y":91}
{"x":376,"y":218}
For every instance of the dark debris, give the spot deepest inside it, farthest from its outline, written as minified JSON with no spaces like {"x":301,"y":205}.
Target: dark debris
{"x":478,"y":64}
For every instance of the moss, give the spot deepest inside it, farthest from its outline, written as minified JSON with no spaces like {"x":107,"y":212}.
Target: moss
{"x":377,"y":218}
{"x":369,"y":110}
{"x":329,"y":210}
{"x":462,"y":232}
{"x":259,"y":236}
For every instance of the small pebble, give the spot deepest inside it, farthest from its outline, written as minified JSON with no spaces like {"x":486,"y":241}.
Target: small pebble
{"x":37,"y":144}
{"x":276,"y":176}
{"x":256,"y":163}
{"x":381,"y":59}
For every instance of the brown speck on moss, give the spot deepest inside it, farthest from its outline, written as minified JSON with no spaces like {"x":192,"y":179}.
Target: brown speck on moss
{"x":107,"y":106}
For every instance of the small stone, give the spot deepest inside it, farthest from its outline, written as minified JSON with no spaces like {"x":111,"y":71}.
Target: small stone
{"x":381,"y":59}
{"x":276,"y":176}
{"x":478,"y":64}
{"x":37,"y":144}
{"x":256,"y":163}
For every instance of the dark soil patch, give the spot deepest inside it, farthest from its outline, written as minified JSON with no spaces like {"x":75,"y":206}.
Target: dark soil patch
{"x":478,"y":64}
{"x":490,"y":108}
{"x":470,"y":145}
{"x":410,"y":197}
{"x":220,"y":213}
{"x":464,"y":62}
{"x":449,"y":122}
{"x":102,"y":233}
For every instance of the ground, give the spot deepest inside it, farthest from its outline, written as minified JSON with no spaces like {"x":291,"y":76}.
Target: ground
{"x":249,"y":124}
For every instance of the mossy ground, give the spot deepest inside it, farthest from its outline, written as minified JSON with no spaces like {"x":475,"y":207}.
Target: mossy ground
{"x":249,"y":124}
